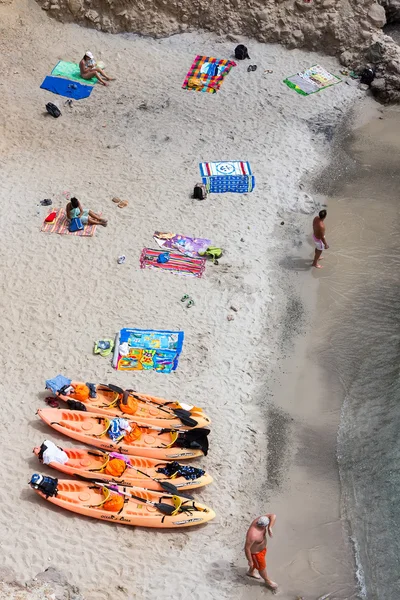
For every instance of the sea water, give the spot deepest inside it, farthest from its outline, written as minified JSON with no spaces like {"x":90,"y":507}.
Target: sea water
{"x":360,"y":287}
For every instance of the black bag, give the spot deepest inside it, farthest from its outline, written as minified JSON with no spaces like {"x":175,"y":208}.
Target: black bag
{"x":241,"y":52}
{"x":195,"y":439}
{"x":367,"y":76}
{"x":46,"y":485}
{"x":200,"y":191}
{"x":53,"y":110}
{"x":76,"y":405}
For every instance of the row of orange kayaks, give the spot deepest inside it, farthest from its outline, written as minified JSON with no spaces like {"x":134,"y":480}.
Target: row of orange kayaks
{"x":132,"y":476}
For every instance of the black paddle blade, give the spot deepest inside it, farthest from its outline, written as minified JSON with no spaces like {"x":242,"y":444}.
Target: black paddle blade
{"x":94,"y":453}
{"x":185,"y":417}
{"x":166,"y":509}
{"x":170,"y":488}
{"x":114,"y":388}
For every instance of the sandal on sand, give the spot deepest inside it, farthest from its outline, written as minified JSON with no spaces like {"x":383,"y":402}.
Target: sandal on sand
{"x":52,"y":402}
{"x":116,"y":200}
{"x":251,"y":68}
{"x":185,"y":297}
{"x":123,"y":203}
{"x":190,"y":303}
{"x":121,"y":259}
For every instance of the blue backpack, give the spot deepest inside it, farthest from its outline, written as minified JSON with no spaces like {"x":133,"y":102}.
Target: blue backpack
{"x":75,"y":225}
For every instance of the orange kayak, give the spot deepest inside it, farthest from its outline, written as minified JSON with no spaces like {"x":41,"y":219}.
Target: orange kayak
{"x":93,"y":464}
{"x":146,"y":441}
{"x":102,"y":503}
{"x":140,"y":407}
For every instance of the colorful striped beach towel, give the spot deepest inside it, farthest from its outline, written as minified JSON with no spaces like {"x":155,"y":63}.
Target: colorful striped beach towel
{"x":177,"y":263}
{"x":61,"y":224}
{"x":227,"y":176}
{"x":207,"y":74}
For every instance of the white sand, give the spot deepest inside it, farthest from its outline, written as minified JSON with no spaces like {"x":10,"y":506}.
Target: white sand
{"x":59,"y":293}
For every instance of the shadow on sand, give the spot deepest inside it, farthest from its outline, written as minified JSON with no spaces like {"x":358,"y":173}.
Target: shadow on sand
{"x":296,"y":263}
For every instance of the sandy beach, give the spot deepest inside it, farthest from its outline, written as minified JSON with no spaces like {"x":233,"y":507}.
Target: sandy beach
{"x":141,"y":139}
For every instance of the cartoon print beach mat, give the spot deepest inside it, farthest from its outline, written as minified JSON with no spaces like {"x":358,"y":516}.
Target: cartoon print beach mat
{"x":147,"y":350}
{"x":312,"y":80}
{"x":170,"y":261}
{"x":207,"y":74}
{"x":227,"y":176}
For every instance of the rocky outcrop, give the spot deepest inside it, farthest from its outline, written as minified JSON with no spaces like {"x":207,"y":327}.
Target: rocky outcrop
{"x":350,"y":29}
{"x":392,"y":10}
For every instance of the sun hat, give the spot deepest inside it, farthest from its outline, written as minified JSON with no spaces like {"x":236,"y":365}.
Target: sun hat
{"x":89,"y":54}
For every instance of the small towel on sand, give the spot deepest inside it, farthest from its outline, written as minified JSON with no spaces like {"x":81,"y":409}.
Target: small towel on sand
{"x":67,"y":88}
{"x":71,"y":70}
{"x":61,"y":225}
{"x":57,"y":383}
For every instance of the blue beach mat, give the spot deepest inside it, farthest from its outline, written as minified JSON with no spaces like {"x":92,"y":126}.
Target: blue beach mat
{"x":66,"y":87}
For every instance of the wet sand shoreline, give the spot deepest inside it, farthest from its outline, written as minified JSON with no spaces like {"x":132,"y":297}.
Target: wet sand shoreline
{"x":320,"y":533}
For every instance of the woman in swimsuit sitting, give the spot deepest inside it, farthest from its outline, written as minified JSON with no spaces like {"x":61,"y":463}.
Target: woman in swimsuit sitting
{"x":88,"y":69}
{"x":88,"y":217}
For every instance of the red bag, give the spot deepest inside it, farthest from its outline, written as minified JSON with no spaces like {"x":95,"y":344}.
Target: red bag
{"x":51,"y":217}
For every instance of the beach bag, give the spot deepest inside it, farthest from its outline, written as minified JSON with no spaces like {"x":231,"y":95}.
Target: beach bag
{"x":367,"y":76}
{"x":116,"y":467}
{"x":114,"y":504}
{"x":75,"y":405}
{"x":200,"y":191}
{"x":51,"y":217}
{"x":212,"y":252}
{"x":53,"y":110}
{"x":75,"y":225}
{"x":81,"y":392}
{"x":128,"y":404}
{"x":241,"y":52}
{"x":46,"y":485}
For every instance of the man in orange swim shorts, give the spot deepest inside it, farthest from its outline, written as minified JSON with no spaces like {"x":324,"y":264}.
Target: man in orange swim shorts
{"x":256,"y":548}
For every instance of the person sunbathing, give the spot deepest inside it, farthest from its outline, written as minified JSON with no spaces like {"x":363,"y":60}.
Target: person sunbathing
{"x":88,"y":69}
{"x":88,"y":217}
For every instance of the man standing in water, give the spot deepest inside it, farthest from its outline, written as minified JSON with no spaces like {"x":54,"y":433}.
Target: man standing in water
{"x":256,"y":548}
{"x":319,"y":237}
